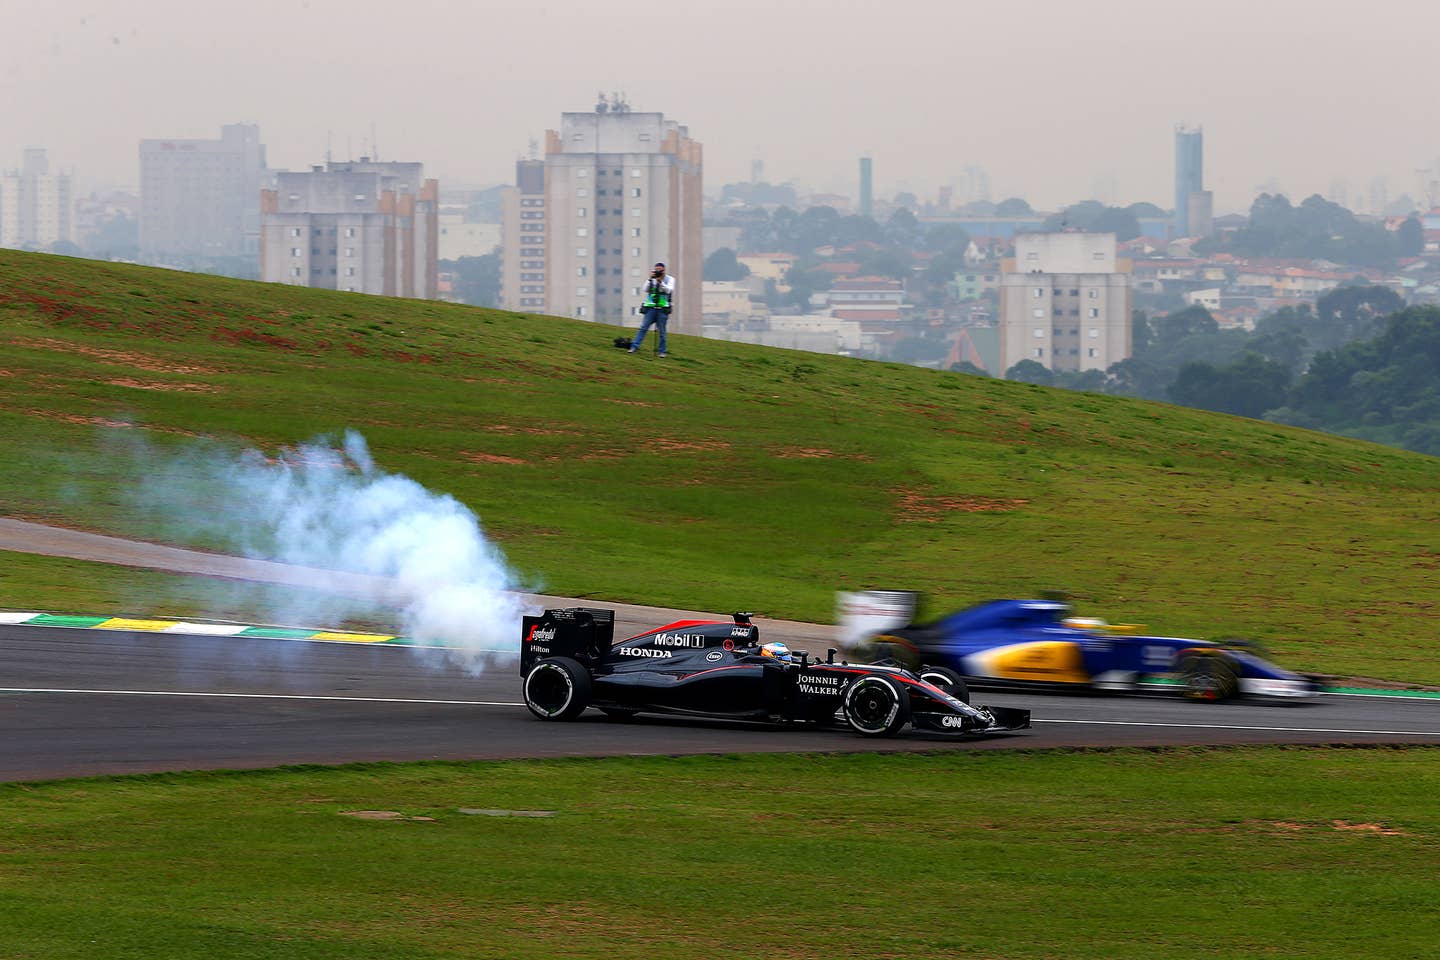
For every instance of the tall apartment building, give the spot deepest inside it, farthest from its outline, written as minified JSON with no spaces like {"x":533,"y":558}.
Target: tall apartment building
{"x":1194,"y":204}
{"x":1065,"y":302}
{"x":360,"y":226}
{"x":200,"y":199}
{"x":622,"y":191}
{"x":867,"y":188}
{"x":37,"y":207}
{"x":523,"y":238}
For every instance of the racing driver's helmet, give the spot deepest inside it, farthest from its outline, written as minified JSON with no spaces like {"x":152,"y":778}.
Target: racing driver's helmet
{"x":776,"y":650}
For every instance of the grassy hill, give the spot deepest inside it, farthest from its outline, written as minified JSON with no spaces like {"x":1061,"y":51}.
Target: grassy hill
{"x":729,"y":476}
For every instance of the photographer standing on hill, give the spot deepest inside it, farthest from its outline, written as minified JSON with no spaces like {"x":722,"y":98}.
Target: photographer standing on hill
{"x":655,"y":311}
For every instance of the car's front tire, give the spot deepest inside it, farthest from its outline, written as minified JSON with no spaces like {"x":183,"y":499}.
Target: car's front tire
{"x":876,"y":707}
{"x":1209,"y":677}
{"x":557,"y":688}
{"x":947,"y":680}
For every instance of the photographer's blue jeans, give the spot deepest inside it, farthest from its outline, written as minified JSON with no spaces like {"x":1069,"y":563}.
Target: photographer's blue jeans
{"x":655,"y":318}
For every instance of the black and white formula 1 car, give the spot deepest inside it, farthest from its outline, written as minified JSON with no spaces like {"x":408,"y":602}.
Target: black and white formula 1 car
{"x":569,"y":661}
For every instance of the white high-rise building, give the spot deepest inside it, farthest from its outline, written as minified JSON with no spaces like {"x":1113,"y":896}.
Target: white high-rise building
{"x":37,"y":207}
{"x":200,"y":199}
{"x":622,"y":190}
{"x":362,"y":227}
{"x":1065,"y":302}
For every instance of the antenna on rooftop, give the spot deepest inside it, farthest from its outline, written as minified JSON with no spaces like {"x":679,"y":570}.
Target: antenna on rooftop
{"x":374,"y":146}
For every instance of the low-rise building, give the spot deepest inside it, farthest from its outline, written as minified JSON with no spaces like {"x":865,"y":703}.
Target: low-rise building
{"x":725,"y":301}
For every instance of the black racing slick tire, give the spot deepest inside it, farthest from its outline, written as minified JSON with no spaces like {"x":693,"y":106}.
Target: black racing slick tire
{"x":947,"y":680}
{"x":876,"y":706}
{"x":557,"y":688}
{"x":1209,"y":677}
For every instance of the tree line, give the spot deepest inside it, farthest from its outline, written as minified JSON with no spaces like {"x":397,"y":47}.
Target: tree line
{"x":1360,"y":364}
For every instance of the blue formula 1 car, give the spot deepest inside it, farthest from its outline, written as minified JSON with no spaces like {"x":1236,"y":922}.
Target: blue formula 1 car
{"x":1038,"y":643}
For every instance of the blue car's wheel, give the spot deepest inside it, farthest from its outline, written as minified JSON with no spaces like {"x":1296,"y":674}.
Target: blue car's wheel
{"x":1208,"y":676}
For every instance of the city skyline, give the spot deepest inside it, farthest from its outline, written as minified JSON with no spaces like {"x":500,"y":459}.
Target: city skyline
{"x":466,"y":91}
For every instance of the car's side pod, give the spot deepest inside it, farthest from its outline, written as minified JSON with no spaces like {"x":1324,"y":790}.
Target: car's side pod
{"x":581,"y":633}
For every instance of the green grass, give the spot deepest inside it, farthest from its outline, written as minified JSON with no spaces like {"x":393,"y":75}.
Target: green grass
{"x":58,"y":585}
{"x":729,"y":476}
{"x":1181,"y":853}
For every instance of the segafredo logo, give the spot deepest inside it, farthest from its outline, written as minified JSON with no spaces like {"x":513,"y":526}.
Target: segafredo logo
{"x":542,"y":634}
{"x":643,"y":652}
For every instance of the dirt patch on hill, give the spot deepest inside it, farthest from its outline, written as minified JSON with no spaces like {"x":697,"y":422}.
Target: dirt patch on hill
{"x":119,"y":358}
{"x":672,"y":445}
{"x":916,"y":507}
{"x":530,"y":431}
{"x":490,"y":458}
{"x":163,"y":387}
{"x":94,"y":421}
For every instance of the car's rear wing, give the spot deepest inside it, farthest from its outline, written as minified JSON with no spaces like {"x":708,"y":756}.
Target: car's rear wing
{"x":869,"y":612}
{"x":581,"y":633}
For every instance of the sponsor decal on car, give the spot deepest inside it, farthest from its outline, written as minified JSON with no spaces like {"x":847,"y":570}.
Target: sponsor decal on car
{"x":952,"y":721}
{"x":742,"y":633}
{"x":714,"y":656}
{"x":679,"y":639}
{"x":822,"y":686}
{"x":643,"y":652}
{"x":541,"y":633}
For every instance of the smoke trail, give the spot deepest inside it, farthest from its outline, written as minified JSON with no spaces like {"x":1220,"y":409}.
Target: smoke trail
{"x":334,"y":510}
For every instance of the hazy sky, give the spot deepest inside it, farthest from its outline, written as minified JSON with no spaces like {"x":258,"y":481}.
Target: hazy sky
{"x":1051,"y":98}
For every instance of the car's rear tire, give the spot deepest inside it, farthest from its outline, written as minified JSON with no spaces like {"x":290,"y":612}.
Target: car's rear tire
{"x":947,"y":680}
{"x":876,"y":706}
{"x":1209,"y":677}
{"x":557,"y":688}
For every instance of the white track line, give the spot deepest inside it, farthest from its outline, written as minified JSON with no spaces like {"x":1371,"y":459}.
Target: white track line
{"x":1236,"y":726}
{"x":258,"y":696}
{"x":511,"y":703}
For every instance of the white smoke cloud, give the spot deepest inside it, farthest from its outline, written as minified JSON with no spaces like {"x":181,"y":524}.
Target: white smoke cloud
{"x":333,"y":510}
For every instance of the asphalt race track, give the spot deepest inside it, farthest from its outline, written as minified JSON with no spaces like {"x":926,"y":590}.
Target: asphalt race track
{"x":87,"y":702}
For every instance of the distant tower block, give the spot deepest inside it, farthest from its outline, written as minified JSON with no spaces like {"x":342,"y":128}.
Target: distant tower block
{"x":757,"y":170}
{"x":1189,"y":175}
{"x":867,"y":191}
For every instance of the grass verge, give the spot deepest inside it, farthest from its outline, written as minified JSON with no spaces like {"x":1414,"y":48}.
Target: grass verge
{"x":59,"y":585}
{"x":1178,"y":853}
{"x":729,"y":476}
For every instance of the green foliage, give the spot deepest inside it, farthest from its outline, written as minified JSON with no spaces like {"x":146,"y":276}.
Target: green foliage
{"x":1013,"y":207}
{"x":477,"y":279}
{"x":1386,"y":388}
{"x":784,"y":230}
{"x":1094,"y":217}
{"x":722,"y":265}
{"x":1248,"y":387}
{"x":1028,"y":371}
{"x":1317,"y":229}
